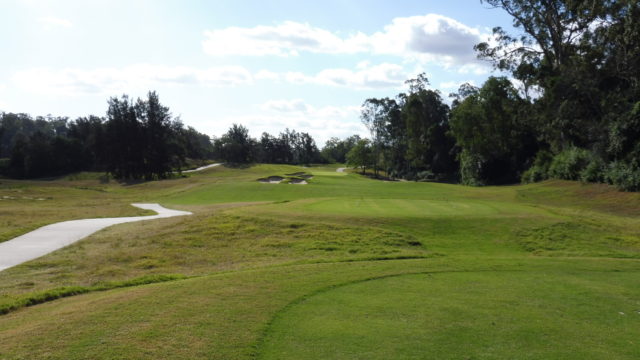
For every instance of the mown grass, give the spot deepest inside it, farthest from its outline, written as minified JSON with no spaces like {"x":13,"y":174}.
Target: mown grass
{"x":275,"y":262}
{"x":465,"y":315}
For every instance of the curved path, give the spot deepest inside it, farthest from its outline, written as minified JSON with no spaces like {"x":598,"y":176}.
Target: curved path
{"x":55,"y":236}
{"x":341,"y":169}
{"x":202,"y":168}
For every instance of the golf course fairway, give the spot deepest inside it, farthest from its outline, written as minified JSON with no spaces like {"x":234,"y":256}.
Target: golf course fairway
{"x":344,"y":267}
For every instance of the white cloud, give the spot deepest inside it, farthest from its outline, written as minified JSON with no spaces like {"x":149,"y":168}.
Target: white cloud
{"x":286,"y":106}
{"x":117,"y":80}
{"x":267,"y":75}
{"x":50,"y":21}
{"x":366,"y":77}
{"x":428,"y":38}
{"x":321,"y":122}
{"x":476,"y":69}
{"x":454,"y":85}
{"x":286,"y":39}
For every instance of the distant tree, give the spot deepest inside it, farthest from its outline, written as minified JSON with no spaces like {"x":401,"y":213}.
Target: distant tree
{"x":143,"y":140}
{"x":373,"y":115}
{"x":361,"y":155}
{"x":335,"y":150}
{"x":236,"y":146}
{"x":124,"y":139}
{"x":160,"y":152}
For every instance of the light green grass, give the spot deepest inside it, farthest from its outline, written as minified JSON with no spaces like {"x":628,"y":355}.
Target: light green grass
{"x":268,"y":264}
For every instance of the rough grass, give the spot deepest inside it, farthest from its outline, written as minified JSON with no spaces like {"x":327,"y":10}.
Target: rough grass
{"x":544,"y":262}
{"x":210,"y":241}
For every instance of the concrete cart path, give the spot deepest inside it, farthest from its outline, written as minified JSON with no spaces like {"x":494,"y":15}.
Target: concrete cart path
{"x":341,"y":169}
{"x":55,"y":236}
{"x":202,"y":168}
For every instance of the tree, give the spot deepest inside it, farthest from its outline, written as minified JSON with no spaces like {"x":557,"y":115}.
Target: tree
{"x":487,"y":124}
{"x":124,"y":139}
{"x":143,"y":139}
{"x":161,"y":153}
{"x":361,"y":155}
{"x":563,"y":52}
{"x":426,"y":116}
{"x":373,"y":114}
{"x":236,"y":146}
{"x":335,"y":150}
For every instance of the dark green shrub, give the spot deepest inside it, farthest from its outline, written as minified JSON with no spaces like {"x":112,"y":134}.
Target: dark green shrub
{"x":540,"y":169}
{"x":595,"y":171}
{"x":569,"y":164}
{"x":623,"y":176}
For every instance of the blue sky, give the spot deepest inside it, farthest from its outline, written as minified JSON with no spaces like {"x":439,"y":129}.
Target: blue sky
{"x":306,"y":65}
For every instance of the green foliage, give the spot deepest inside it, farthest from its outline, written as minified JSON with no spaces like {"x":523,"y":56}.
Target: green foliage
{"x":235,"y":146}
{"x":426,"y":117}
{"x":489,"y":127}
{"x":540,"y":169}
{"x":470,"y":168}
{"x":138,"y":140}
{"x":336,"y":150}
{"x":623,"y":176}
{"x":569,"y":164}
{"x":290,"y":147}
{"x":410,"y":134}
{"x":361,"y":155}
{"x":595,"y":171}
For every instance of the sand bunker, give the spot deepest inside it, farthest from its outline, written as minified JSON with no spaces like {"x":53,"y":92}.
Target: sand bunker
{"x":300,"y":178}
{"x":271,"y":180}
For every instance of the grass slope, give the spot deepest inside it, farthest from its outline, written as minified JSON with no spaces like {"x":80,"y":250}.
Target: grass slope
{"x":344,"y":267}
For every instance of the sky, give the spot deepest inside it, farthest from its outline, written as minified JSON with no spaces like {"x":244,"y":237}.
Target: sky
{"x":268,"y":65}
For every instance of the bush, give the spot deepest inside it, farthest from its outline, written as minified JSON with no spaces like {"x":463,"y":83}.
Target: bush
{"x":623,"y":176}
{"x":569,"y":164}
{"x":540,"y":169}
{"x":595,"y":171}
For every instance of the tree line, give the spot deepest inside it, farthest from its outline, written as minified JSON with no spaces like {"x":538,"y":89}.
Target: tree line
{"x":236,"y":146}
{"x":136,"y":140}
{"x":141,"y":140}
{"x":574,"y":114}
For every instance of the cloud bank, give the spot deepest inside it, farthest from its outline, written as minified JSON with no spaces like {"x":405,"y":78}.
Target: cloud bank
{"x":73,"y":81}
{"x":51,"y":21}
{"x":430,"y":37}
